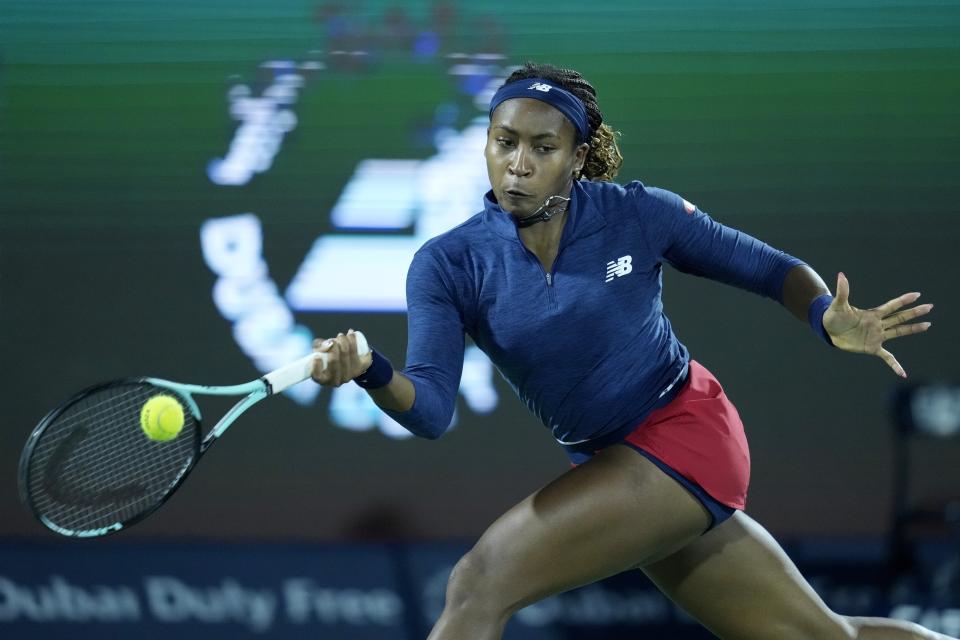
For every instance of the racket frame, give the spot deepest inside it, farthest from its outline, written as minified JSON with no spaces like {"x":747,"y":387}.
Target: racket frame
{"x":23,"y":474}
{"x":254,"y":391}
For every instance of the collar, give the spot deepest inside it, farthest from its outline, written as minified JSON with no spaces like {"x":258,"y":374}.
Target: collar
{"x":583,"y":216}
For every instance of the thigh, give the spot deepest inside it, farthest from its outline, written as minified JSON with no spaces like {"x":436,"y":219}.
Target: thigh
{"x":608,"y":515}
{"x":739,"y":583}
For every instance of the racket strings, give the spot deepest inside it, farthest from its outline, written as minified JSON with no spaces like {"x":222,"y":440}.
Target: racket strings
{"x":93,"y":466}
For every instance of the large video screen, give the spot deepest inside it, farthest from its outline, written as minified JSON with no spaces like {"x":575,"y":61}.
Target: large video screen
{"x":196,"y":191}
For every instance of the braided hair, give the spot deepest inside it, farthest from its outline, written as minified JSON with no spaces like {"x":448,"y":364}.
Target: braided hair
{"x":604,"y":157}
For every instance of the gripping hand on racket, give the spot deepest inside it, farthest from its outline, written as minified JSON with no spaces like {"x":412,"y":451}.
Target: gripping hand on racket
{"x":343,"y":363}
{"x":865,"y":330}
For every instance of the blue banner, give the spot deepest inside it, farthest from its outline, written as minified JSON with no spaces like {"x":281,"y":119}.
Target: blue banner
{"x":210,"y":591}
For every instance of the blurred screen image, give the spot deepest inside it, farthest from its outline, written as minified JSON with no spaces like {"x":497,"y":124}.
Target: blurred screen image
{"x":197,"y":191}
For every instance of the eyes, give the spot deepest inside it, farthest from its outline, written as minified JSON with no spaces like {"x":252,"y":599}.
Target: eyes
{"x":510,"y":143}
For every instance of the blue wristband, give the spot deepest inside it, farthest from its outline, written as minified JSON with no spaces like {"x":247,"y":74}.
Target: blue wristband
{"x":815,"y":316}
{"x":378,"y":374}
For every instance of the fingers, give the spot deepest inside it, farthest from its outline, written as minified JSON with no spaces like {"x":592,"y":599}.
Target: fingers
{"x":342,"y":362}
{"x":843,"y":290}
{"x":366,"y":359}
{"x":322,"y":371}
{"x":892,"y":362}
{"x":872,"y":328}
{"x":907,"y":314}
{"x":351,"y":342}
{"x":897,"y":325}
{"x":890,"y":306}
{"x":906,"y":330}
{"x":339,"y":354}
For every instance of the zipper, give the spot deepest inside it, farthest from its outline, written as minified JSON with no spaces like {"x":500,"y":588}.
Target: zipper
{"x":548,"y":276}
{"x":551,"y":291}
{"x":551,"y":294}
{"x":553,"y":267}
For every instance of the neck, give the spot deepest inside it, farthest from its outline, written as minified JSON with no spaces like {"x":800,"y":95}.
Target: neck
{"x":545,"y":233}
{"x":553,"y":208}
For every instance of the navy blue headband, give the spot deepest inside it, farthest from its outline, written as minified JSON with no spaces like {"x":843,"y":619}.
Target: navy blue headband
{"x":545,"y":91}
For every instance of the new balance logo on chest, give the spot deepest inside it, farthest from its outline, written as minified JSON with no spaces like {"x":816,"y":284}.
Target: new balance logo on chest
{"x":619,"y":267}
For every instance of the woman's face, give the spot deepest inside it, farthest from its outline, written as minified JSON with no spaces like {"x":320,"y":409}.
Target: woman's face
{"x":530,"y":154}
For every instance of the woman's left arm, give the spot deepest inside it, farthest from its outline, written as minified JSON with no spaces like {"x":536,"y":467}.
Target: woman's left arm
{"x":849,"y":328}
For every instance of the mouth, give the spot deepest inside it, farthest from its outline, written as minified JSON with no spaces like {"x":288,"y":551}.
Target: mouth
{"x":517,"y":193}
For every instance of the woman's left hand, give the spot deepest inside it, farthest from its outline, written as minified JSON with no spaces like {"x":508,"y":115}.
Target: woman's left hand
{"x":865,"y":330}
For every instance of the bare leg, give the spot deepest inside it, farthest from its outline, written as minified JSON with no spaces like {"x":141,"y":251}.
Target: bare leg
{"x":610,"y":514}
{"x":738,"y":582}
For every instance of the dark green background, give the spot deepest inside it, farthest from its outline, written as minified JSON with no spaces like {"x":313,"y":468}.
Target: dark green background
{"x":829,"y":129}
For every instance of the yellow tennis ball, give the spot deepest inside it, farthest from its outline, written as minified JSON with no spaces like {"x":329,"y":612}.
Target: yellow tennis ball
{"x":161,"y":418}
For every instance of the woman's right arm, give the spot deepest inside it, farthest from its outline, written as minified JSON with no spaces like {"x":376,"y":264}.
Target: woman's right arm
{"x":397,"y":396}
{"x":423,"y":396}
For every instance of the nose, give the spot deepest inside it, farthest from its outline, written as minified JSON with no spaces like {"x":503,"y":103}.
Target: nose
{"x":519,"y":166}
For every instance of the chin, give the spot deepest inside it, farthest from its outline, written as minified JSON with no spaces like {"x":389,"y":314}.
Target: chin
{"x":516,"y":209}
{"x":518,"y":212}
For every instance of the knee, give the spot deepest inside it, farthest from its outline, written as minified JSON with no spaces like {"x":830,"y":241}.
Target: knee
{"x":473,"y":585}
{"x":466,"y":576}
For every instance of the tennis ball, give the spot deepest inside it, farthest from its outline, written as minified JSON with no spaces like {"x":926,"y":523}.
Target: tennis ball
{"x":161,"y":418}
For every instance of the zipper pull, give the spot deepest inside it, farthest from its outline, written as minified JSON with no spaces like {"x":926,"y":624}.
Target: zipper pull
{"x":549,"y":279}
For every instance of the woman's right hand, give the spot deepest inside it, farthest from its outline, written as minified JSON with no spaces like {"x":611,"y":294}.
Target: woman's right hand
{"x":343,"y":363}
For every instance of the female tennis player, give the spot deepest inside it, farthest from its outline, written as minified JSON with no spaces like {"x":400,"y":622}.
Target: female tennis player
{"x":558,"y":280}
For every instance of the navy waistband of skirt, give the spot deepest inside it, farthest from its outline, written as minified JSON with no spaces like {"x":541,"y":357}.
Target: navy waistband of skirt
{"x":618,"y":435}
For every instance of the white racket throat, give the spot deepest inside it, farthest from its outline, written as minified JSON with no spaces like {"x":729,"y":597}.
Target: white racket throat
{"x":299,"y":370}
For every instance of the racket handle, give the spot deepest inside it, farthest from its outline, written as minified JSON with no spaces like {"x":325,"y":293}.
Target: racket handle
{"x":299,"y":370}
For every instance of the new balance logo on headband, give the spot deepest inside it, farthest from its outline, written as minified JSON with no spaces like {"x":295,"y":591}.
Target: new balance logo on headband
{"x":619,"y":268}
{"x":539,"y":86}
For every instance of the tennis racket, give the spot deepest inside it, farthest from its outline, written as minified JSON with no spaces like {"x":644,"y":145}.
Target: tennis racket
{"x":88,"y":469}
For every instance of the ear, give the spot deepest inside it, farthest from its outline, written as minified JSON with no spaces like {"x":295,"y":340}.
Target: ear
{"x":582,"y":150}
{"x":580,"y":158}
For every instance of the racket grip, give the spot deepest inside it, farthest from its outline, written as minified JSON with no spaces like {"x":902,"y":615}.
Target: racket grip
{"x":299,"y":370}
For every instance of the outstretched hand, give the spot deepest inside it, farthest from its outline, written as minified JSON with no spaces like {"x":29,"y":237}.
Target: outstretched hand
{"x":865,"y":330}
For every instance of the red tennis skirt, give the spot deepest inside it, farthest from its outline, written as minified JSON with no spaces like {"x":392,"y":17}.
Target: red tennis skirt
{"x":700,"y":435}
